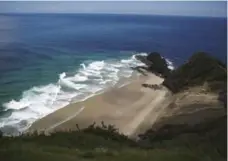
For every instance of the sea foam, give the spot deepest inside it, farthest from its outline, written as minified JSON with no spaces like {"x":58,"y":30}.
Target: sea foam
{"x":87,"y":81}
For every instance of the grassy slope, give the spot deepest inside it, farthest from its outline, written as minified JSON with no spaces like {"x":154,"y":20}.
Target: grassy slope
{"x":200,"y":68}
{"x":206,"y":142}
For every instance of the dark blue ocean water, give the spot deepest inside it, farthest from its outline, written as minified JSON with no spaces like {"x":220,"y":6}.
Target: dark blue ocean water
{"x":36,"y":48}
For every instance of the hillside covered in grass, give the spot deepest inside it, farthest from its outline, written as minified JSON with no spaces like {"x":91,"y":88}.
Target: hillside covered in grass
{"x":204,"y":142}
{"x":199,"y":69}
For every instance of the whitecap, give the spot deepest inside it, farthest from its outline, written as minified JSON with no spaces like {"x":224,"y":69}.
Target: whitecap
{"x":90,"y":79}
{"x":170,"y":64}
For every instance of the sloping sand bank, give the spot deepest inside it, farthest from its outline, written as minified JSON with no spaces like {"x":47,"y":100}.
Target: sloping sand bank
{"x":126,"y":108}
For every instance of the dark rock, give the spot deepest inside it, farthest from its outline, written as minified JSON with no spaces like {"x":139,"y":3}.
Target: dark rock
{"x":140,"y":69}
{"x":155,"y":63}
{"x":158,"y":65}
{"x":152,"y":86}
{"x":143,"y":59}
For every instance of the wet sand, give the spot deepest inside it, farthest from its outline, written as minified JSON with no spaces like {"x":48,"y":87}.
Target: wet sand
{"x":126,"y":108}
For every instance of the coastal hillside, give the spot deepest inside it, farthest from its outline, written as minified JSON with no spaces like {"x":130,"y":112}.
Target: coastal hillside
{"x":198,"y":70}
{"x":191,"y":128}
{"x":206,"y":141}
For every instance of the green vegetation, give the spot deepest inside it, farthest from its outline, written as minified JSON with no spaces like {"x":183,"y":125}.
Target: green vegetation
{"x":199,"y":69}
{"x":205,"y":142}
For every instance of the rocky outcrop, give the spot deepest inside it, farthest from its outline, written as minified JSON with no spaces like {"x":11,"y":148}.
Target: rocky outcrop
{"x":143,"y":59}
{"x":155,"y":63}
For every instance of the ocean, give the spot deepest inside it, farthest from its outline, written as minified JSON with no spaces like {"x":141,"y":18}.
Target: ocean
{"x":50,"y":60}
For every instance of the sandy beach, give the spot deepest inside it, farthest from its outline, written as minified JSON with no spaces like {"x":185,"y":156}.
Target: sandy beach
{"x":127,"y":108}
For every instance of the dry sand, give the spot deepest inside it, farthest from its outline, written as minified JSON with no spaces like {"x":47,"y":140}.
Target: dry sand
{"x":190,"y":107}
{"x":127,"y":108}
{"x":133,"y":108}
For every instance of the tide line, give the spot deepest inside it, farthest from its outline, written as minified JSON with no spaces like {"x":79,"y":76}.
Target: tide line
{"x":65,"y":120}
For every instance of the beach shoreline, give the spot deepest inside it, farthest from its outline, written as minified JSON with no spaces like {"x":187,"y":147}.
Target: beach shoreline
{"x":125,"y":107}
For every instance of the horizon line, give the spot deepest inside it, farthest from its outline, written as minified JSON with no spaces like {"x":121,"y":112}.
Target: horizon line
{"x":106,"y":13}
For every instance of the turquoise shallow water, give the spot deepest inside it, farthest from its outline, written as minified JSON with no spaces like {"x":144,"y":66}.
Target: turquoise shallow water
{"x":47,"y":60}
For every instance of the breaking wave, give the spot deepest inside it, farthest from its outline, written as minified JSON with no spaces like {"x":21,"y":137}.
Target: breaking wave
{"x":87,"y":81}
